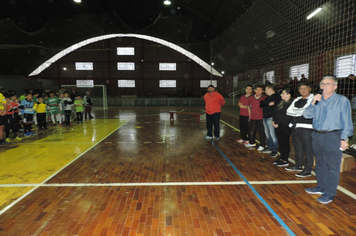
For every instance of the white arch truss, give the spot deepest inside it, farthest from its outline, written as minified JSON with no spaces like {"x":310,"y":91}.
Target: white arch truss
{"x":76,"y":46}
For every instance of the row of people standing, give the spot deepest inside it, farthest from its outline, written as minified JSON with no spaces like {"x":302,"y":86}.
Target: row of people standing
{"x":37,"y":109}
{"x":323,"y":130}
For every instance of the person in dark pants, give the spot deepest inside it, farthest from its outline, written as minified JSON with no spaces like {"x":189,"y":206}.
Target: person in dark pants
{"x":256,"y":120}
{"x":213,"y":104}
{"x":67,"y":102}
{"x":244,"y":114}
{"x":333,"y":126}
{"x":301,"y":132}
{"x":281,"y":123}
{"x":41,"y":108}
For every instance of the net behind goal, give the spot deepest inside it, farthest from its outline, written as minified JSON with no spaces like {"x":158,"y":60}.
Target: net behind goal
{"x":98,"y":94}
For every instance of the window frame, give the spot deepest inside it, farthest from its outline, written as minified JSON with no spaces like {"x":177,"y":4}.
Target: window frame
{"x":126,"y":83}
{"x":127,"y":64}
{"x":84,"y":64}
{"x":166,"y":81}
{"x":165,"y":66}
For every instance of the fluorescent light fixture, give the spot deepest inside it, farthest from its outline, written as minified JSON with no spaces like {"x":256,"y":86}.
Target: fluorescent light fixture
{"x":314,"y":13}
{"x":167,"y":2}
{"x":78,"y":1}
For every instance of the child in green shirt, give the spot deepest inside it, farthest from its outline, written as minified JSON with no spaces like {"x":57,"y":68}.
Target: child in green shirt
{"x":79,"y":109}
{"x":54,"y":104}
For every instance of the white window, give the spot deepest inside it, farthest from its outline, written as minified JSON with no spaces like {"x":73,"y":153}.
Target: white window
{"x":168,"y":66}
{"x":125,"y":66}
{"x":206,"y":83}
{"x":84,"y":65}
{"x":125,"y":51}
{"x":167,"y":83}
{"x":299,"y":70}
{"x":126,"y":83}
{"x":85,"y":83}
{"x":270,"y":76}
{"x":345,"y":65}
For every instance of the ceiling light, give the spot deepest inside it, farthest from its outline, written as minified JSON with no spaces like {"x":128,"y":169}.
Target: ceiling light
{"x":222,"y":72}
{"x":167,"y":2}
{"x":78,"y":1}
{"x":314,"y":13}
{"x":64,"y":68}
{"x":212,"y":63}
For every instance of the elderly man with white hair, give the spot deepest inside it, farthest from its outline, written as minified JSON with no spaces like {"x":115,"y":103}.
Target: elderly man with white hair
{"x":333,"y":126}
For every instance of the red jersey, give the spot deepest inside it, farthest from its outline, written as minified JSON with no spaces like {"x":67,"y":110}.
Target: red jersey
{"x":244,"y":101}
{"x":256,"y":110}
{"x":213,"y":102}
{"x":10,"y":109}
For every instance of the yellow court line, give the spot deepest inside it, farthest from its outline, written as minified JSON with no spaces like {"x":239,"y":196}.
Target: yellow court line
{"x":105,"y":126}
{"x":38,"y":163}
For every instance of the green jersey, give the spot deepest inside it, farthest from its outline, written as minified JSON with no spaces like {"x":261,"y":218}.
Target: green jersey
{"x":80,"y":107}
{"x":53,"y":105}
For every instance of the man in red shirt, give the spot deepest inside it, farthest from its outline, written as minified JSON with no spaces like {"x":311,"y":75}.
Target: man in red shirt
{"x":244,"y":114}
{"x":213,"y":104}
{"x":256,"y":119}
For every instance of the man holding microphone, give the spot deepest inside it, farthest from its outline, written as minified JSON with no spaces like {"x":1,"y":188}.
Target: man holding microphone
{"x":333,"y":125}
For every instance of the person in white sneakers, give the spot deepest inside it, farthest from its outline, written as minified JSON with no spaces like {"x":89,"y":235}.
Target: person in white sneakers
{"x":256,"y":119}
{"x":244,"y":114}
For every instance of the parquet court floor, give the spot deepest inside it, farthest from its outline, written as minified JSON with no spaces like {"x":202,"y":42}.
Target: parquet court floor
{"x":134,"y":172}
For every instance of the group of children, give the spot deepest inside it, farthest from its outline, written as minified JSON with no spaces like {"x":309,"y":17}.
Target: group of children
{"x":29,"y":109}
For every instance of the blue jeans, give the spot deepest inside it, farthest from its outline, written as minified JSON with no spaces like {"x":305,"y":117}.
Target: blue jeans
{"x":272,"y":141}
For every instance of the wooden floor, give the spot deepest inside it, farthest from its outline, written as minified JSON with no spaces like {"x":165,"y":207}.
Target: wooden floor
{"x":135,"y":172}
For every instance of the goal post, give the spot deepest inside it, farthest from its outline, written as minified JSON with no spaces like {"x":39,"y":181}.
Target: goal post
{"x":97,"y":92}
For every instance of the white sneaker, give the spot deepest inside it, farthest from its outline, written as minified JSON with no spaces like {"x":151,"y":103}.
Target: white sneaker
{"x":260,"y":148}
{"x":240,"y":140}
{"x":250,"y":145}
{"x":208,"y":138}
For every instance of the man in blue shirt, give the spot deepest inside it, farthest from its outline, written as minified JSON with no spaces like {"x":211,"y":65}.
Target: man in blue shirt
{"x":333,"y":125}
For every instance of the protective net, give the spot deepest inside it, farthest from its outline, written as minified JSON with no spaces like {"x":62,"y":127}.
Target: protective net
{"x":275,"y":41}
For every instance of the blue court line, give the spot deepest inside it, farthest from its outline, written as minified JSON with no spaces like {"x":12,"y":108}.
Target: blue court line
{"x":256,"y":193}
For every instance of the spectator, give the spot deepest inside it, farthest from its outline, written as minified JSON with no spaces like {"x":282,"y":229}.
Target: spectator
{"x":281,"y":123}
{"x":333,"y":126}
{"x":347,"y":87}
{"x":256,"y":119}
{"x":88,"y":104}
{"x":61,"y":90}
{"x":301,"y":132}
{"x":244,"y":114}
{"x":303,"y":80}
{"x":269,"y":105}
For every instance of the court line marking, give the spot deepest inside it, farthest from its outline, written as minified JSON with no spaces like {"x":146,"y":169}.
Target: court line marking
{"x":269,"y":208}
{"x":43,"y":182}
{"x":262,"y":200}
{"x":158,"y":184}
{"x":342,"y":189}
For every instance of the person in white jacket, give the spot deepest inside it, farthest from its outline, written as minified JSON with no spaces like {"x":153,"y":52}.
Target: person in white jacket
{"x":301,"y":132}
{"x":67,"y":102}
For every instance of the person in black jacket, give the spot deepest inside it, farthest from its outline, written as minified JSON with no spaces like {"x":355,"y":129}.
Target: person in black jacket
{"x":281,"y":123}
{"x":269,"y":105}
